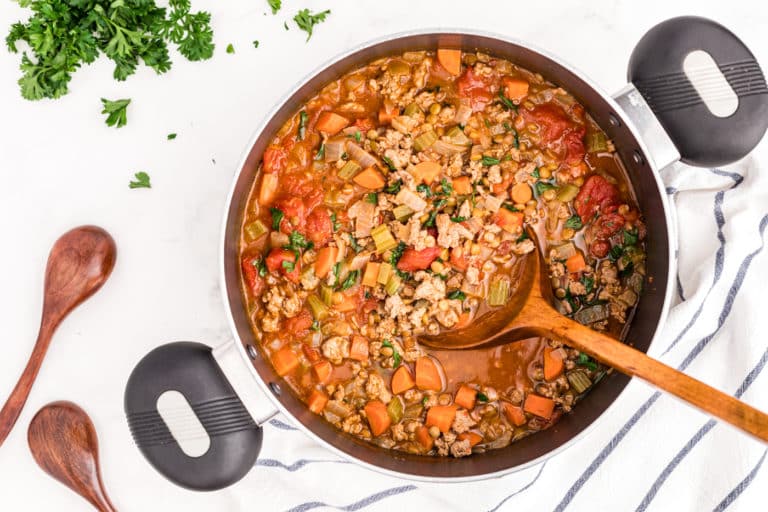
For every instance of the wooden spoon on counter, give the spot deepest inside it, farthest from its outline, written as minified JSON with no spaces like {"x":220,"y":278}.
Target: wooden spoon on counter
{"x":78,"y":265}
{"x":529,"y":312}
{"x":64,"y":443}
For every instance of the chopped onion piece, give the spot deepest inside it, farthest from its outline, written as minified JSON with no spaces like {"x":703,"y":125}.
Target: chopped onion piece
{"x":411,"y":200}
{"x":334,"y":149}
{"x":360,"y":155}
{"x":463,"y":113}
{"x":446,"y":148}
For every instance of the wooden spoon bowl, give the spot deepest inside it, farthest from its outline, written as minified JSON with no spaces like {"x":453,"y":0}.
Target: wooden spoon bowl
{"x":529,"y":312}
{"x":63,"y":442}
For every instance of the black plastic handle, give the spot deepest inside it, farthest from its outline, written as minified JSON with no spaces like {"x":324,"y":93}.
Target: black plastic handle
{"x":235,"y":439}
{"x":656,"y":69}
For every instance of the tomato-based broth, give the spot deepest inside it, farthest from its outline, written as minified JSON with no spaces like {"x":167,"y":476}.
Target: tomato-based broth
{"x":395,"y":204}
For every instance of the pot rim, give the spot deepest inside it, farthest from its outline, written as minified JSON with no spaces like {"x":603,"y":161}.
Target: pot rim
{"x":671,"y":259}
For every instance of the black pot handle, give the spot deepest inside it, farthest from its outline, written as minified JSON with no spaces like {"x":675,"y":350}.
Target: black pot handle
{"x":235,"y":438}
{"x":657,"y":70}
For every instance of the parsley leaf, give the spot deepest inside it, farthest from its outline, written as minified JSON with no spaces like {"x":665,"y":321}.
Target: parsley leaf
{"x":589,"y":283}
{"x":424,"y":189}
{"x":630,"y":237}
{"x":433,"y":214}
{"x":489,"y":161}
{"x":190,"y":31}
{"x":507,"y":102}
{"x":615,"y":253}
{"x":142,"y":181}
{"x":395,"y":355}
{"x":275,"y":5}
{"x":277,"y":217}
{"x":303,"y":118}
{"x":116,"y":112}
{"x":397,"y":253}
{"x":574,"y":222}
{"x":334,"y":222}
{"x":306,"y":20}
{"x":509,"y":206}
{"x":320,"y":152}
{"x":372,"y":198}
{"x":394,"y":188}
{"x":457,"y":294}
{"x":351,"y":279}
{"x":260,"y":266}
{"x":585,"y":360}
{"x":255,"y":43}
{"x":458,"y":219}
{"x":481,"y":397}
{"x":389,"y":163}
{"x":171,"y":136}
{"x":536,"y":173}
{"x":289,"y":266}
{"x":355,"y":246}
{"x":542,"y":186}
{"x":445,"y":187}
{"x":230,"y":48}
{"x":297,"y":241}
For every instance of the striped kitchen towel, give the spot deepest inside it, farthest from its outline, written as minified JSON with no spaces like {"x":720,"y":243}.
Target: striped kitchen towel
{"x":649,"y":451}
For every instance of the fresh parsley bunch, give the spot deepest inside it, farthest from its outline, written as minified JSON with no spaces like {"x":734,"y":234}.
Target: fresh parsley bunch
{"x":65,"y":34}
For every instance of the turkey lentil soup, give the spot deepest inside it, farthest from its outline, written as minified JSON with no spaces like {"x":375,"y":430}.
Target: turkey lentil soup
{"x":394,"y":204}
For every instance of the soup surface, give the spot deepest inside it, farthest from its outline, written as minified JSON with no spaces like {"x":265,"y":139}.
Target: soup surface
{"x":394,"y":204}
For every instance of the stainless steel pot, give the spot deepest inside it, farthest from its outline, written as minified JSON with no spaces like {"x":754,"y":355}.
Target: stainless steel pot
{"x":663,"y":115}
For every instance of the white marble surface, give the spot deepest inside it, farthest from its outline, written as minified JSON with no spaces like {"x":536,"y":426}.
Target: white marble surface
{"x":60,"y":167}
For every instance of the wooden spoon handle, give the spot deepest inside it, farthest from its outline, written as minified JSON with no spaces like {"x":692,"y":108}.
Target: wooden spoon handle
{"x":15,"y":403}
{"x":635,"y":363}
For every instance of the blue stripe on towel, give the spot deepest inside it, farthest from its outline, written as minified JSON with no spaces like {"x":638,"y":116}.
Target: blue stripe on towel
{"x":373,"y":498}
{"x":522,"y":489}
{"x":274,"y":463}
{"x":281,"y":425}
{"x":731,"y":496}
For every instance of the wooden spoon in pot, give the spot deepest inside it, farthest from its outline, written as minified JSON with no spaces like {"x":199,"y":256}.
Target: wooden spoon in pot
{"x":529,"y":312}
{"x":64,"y":444}
{"x":79,"y":263}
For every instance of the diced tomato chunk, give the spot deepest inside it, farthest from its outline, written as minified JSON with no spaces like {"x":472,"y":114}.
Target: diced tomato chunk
{"x":280,"y":260}
{"x":474,"y":89}
{"x":413,"y":260}
{"x":298,"y":325}
{"x":295,"y":214}
{"x":251,"y":275}
{"x":319,"y":227}
{"x":606,"y":225}
{"x":574,"y":146}
{"x":552,"y":120}
{"x":364,"y":124}
{"x":459,"y":260}
{"x":275,"y":159}
{"x":596,"y":194}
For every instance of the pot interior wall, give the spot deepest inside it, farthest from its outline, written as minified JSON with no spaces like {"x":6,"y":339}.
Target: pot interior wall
{"x":641,"y":332}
